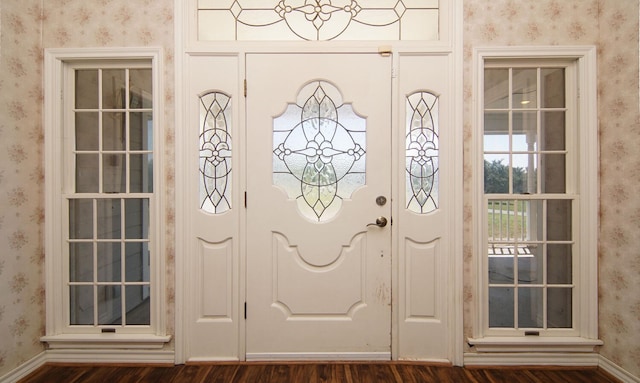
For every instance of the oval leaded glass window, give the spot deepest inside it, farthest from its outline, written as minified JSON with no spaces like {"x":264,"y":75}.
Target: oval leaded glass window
{"x":422,"y":152}
{"x":215,"y":152}
{"x":319,"y":148}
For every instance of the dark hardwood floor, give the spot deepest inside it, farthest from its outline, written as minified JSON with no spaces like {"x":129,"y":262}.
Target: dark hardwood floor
{"x":310,"y":373}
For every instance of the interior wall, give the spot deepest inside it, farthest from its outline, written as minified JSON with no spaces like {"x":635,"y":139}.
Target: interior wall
{"x":611,"y":25}
{"x":28,"y":26}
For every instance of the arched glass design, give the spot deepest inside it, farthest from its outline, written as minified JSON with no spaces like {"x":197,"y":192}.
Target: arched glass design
{"x":319,"y":148}
{"x":318,"y":20}
{"x":422,"y":155}
{"x":215,"y":152}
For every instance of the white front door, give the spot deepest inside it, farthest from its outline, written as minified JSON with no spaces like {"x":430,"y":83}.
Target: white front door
{"x":284,"y":189}
{"x":318,"y":178}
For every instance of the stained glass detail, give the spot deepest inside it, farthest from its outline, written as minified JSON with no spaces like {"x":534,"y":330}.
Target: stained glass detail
{"x":318,"y":20}
{"x":422,"y":153}
{"x":319,"y":153}
{"x":215,"y":152}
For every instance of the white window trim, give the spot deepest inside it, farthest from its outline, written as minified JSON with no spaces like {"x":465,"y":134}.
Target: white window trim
{"x":57,"y":335}
{"x":586,"y":270}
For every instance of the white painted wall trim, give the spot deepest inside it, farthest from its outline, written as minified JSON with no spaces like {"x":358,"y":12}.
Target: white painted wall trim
{"x":617,"y":371}
{"x":587,"y":144}
{"x":55,"y":60}
{"x":25,"y":369}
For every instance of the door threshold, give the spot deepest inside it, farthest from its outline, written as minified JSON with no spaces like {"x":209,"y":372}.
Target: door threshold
{"x":318,"y":356}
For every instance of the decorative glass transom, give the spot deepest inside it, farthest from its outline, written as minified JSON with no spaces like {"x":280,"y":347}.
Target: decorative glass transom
{"x":215,"y":152}
{"x":422,"y":152}
{"x":318,"y":20}
{"x":319,"y":148}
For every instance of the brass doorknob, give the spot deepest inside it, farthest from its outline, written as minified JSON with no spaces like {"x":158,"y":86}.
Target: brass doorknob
{"x":380,"y":222}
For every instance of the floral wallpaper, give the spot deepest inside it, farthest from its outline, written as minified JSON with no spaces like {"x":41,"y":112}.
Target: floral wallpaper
{"x":611,"y":25}
{"x":29,"y":26}
{"x":26,"y":28}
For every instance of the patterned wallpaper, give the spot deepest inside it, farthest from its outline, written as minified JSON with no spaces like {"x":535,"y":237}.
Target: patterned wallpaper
{"x":28,"y":26}
{"x":611,"y":25}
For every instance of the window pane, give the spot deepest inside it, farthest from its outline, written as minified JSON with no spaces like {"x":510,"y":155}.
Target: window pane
{"x":559,"y":264}
{"x":533,"y":216}
{"x":525,"y":130}
{"x":114,"y":173}
{"x":109,"y":219}
{"x":530,"y":311}
{"x":496,"y":131}
{"x":81,"y":305}
{"x":216,"y":151}
{"x":496,"y":88}
{"x":553,"y":130}
{"x":422,"y":153}
{"x":554,"y":173}
{"x":81,"y":262}
{"x":141,"y":88}
{"x":559,"y":307}
{"x":113,"y":131}
{"x":507,"y":222}
{"x":81,"y":219}
{"x":530,"y":264}
{"x":496,"y":173}
{"x":525,"y":85}
{"x":141,"y":168}
{"x":138,"y":307}
{"x":136,"y":218}
{"x":86,"y":131}
{"x":319,"y":150}
{"x":137,"y":262}
{"x":524,"y":173}
{"x":113,"y":88}
{"x":553,"y":92}
{"x":109,"y":262}
{"x":141,"y":131}
{"x":109,"y":305}
{"x":86,"y":89}
{"x":559,"y":220}
{"x":500,"y":264}
{"x":501,"y":307}
{"x":87,"y":173}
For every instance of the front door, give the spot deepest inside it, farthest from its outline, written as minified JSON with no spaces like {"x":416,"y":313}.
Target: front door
{"x":318,"y":258}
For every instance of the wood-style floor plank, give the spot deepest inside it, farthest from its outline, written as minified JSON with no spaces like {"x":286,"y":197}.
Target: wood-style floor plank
{"x":310,"y":373}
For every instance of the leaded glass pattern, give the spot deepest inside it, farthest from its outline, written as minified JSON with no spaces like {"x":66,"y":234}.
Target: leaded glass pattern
{"x":319,"y":153}
{"x":422,"y":161}
{"x":318,"y":20}
{"x":215,"y":152}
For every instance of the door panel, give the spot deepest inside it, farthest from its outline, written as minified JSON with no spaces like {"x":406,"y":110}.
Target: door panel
{"x":318,"y":156}
{"x":212,"y":256}
{"x":424,"y":212}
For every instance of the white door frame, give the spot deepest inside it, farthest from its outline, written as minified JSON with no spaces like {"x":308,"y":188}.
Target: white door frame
{"x":185,"y":46}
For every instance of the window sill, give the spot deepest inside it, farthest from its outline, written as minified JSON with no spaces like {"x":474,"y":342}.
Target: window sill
{"x":534,"y":344}
{"x":106,"y":341}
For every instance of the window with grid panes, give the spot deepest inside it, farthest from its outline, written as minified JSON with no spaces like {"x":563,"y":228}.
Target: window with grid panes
{"x":109,"y":195}
{"x":529,"y":196}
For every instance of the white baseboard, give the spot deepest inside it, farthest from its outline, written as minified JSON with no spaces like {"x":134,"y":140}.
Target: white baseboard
{"x":89,"y":356}
{"x":320,"y":356}
{"x":25,"y":369}
{"x":531,"y":359}
{"x":617,"y":371}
